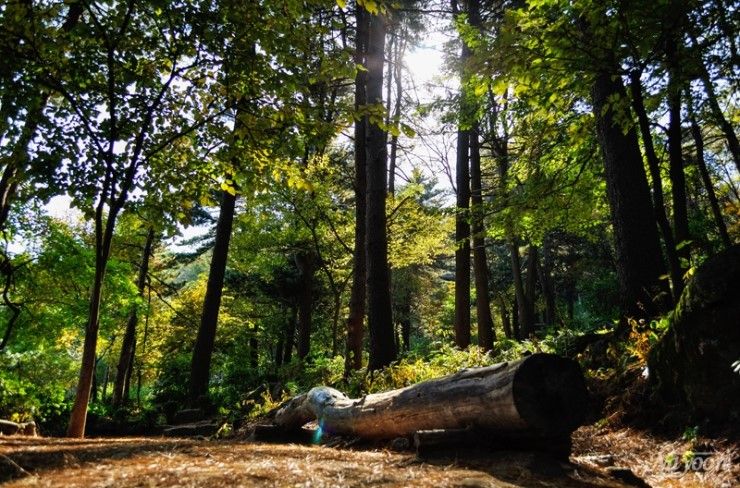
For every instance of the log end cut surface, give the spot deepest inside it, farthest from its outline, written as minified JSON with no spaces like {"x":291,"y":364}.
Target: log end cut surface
{"x":550,"y":394}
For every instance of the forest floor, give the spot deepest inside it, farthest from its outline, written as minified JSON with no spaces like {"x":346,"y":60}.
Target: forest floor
{"x":148,"y":461}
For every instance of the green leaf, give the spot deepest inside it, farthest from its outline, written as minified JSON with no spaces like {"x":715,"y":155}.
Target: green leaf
{"x":682,"y":244}
{"x":408,"y":131}
{"x":499,"y":87}
{"x":228,"y":189}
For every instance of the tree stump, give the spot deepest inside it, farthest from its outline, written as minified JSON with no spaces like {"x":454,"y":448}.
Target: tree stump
{"x":692,"y":363}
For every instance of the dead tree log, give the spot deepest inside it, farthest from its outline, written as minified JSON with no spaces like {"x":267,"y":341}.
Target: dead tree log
{"x":13,"y":428}
{"x":540,"y":396}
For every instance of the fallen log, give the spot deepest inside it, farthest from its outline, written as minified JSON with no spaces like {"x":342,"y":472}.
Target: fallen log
{"x":541,"y":396}
{"x":13,"y":428}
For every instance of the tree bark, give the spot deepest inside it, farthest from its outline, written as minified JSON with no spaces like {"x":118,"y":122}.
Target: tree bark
{"x":290,"y":334}
{"x":678,"y":180}
{"x":675,"y":157}
{"x":380,"y":315}
{"x":707,"y":180}
{"x":356,"y":318}
{"x":200,"y":366}
{"x":462,"y":239}
{"x":638,"y":258}
{"x":530,"y":290}
{"x":541,"y":395}
{"x":139,"y":375}
{"x":398,"y":78}
{"x":548,"y":291}
{"x":725,"y":126}
{"x":505,"y":320}
{"x":15,"y":310}
{"x":674,"y":264}
{"x":486,"y":334}
{"x":106,"y":379}
{"x":126,"y":358}
{"x":129,"y":372}
{"x":104,"y":240}
{"x":522,"y":320}
{"x":462,"y":207}
{"x":515,"y":319}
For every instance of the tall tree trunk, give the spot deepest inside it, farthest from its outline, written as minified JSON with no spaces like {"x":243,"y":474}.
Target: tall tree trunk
{"x":548,"y":291}
{"x":305,"y":262}
{"x":355,"y":320}
{"x":15,"y":310}
{"x":678,"y":180}
{"x":126,"y":358}
{"x":117,"y":184}
{"x":706,"y":179}
{"x":515,"y":319}
{"x":638,"y":258}
{"x":139,"y":374}
{"x":398,"y":78}
{"x":674,"y":263}
{"x":524,"y":317}
{"x":505,"y":320}
{"x":380,"y":315}
{"x":486,"y":334}
{"x":725,"y":126}
{"x":462,"y":207}
{"x":104,"y":239}
{"x":200,"y":366}
{"x":106,"y":380}
{"x":500,"y":151}
{"x":462,"y":239}
{"x":290,"y":334}
{"x":129,"y":372}
{"x":531,"y":285}
{"x":675,"y":157}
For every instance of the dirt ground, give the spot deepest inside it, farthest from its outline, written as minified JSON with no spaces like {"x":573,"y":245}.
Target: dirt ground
{"x":144,"y":462}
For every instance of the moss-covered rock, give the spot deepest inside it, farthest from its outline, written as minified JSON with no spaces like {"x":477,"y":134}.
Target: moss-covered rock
{"x":692,"y":363}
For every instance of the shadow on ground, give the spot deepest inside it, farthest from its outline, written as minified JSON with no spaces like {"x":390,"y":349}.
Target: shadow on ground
{"x":181,"y":462}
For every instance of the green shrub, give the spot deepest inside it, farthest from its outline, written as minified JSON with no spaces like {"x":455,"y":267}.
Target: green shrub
{"x":33,"y":388}
{"x":170,"y":391}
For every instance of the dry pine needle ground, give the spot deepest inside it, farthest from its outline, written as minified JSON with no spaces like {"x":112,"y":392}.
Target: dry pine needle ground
{"x":142,"y":462}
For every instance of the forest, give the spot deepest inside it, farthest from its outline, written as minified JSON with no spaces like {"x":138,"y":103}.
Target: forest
{"x":210,"y":207}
